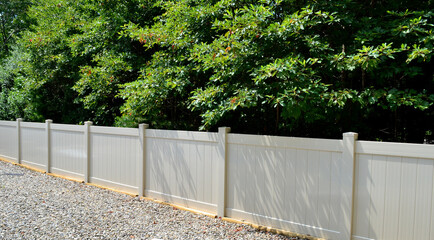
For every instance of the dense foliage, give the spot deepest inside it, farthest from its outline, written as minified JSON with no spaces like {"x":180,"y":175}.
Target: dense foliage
{"x":300,"y":68}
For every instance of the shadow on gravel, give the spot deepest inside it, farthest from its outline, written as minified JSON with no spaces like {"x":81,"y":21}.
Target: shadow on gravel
{"x":12,"y":174}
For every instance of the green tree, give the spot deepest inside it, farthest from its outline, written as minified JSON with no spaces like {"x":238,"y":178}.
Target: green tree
{"x":76,"y":60}
{"x":308,"y":68}
{"x":114,"y":60}
{"x":13,"y":19}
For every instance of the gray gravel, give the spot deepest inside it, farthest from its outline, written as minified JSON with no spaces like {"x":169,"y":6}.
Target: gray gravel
{"x":38,"y":206}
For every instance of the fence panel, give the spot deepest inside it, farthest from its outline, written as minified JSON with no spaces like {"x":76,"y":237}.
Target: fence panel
{"x":68,"y":150}
{"x":394,"y":197}
{"x":287,"y":183}
{"x":8,"y":141}
{"x":181,"y":168}
{"x":114,"y":156}
{"x":34,"y":145}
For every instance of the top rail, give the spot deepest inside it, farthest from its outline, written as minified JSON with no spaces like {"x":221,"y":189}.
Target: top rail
{"x":287,"y":142}
{"x":8,"y":123}
{"x":182,"y":135}
{"x":134,"y":132}
{"x":67,"y":127}
{"x":395,"y":149}
{"x":32,"y":125}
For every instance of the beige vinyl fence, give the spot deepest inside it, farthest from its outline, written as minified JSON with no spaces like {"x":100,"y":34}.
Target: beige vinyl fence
{"x":334,"y":189}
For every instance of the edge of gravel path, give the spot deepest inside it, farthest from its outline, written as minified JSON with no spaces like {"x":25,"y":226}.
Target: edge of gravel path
{"x":227,"y":219}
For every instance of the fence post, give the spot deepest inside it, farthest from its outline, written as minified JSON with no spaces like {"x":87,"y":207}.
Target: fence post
{"x":347,"y":181}
{"x":88,"y":149}
{"x":19,"y":120}
{"x":141,"y":164}
{"x":48,"y":139}
{"x":222,"y":159}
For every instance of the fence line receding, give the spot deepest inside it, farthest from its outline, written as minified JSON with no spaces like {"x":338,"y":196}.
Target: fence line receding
{"x":334,"y":189}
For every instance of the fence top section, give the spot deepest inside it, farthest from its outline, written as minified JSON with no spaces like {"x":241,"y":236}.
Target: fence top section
{"x":8,"y":123}
{"x":287,"y":142}
{"x":32,"y":125}
{"x":395,"y":149}
{"x":67,"y":127}
{"x":133,"y":132}
{"x":182,"y":135}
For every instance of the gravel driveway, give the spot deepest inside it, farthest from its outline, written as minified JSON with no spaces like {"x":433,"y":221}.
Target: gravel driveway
{"x":38,"y":206}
